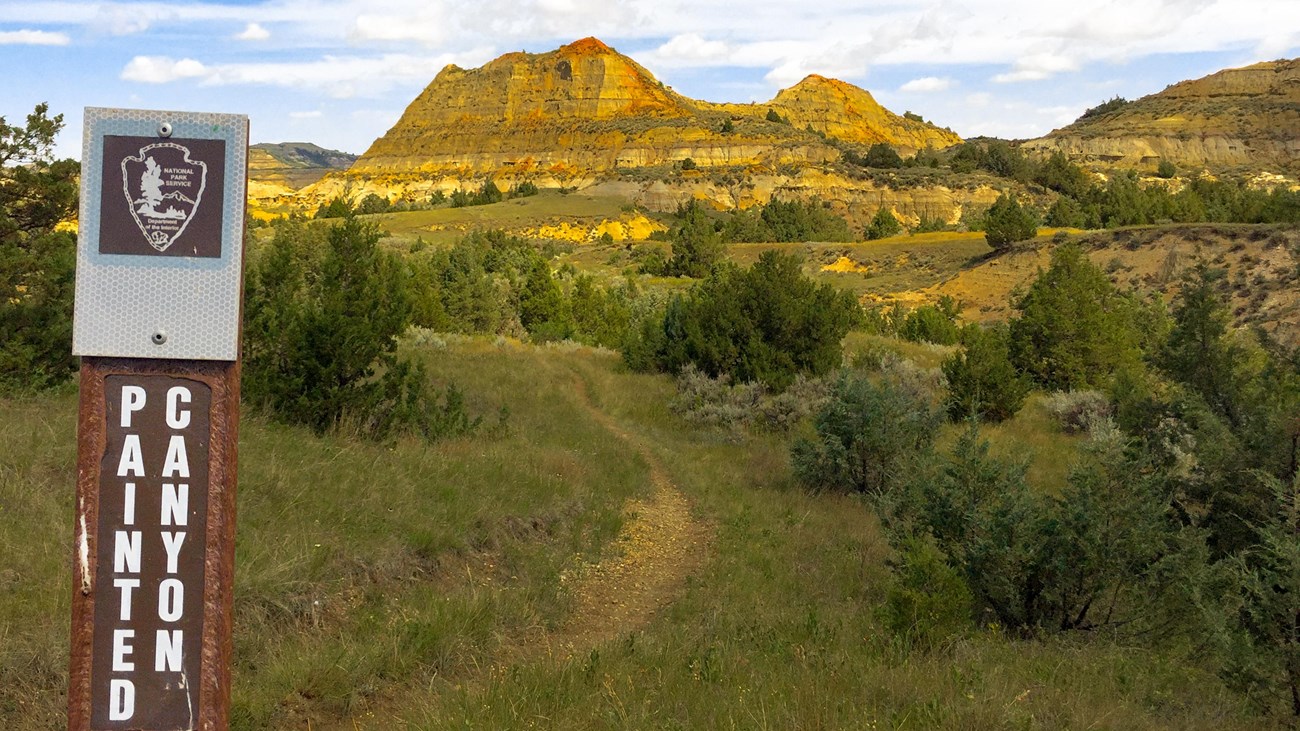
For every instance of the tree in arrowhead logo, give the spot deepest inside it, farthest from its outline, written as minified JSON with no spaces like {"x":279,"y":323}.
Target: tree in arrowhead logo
{"x":164,"y":188}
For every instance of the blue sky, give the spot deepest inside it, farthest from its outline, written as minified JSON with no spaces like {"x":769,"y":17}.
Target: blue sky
{"x":340,"y":72}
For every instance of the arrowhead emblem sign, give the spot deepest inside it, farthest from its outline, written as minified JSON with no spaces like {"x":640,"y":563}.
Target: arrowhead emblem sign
{"x":164,"y":188}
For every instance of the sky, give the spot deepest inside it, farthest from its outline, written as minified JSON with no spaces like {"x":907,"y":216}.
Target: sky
{"x":339,"y":72}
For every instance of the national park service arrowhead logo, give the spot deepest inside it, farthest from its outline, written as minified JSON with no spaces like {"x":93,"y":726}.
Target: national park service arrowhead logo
{"x":164,"y":187}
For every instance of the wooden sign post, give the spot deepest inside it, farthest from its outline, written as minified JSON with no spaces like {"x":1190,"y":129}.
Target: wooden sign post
{"x":157,"y":324}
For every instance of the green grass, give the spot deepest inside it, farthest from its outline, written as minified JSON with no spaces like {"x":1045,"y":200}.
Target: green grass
{"x":407,"y":586}
{"x":443,"y":225}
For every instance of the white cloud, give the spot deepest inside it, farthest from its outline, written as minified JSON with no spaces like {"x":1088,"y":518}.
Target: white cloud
{"x":312,"y":114}
{"x":33,"y":38}
{"x":162,"y":69}
{"x":428,"y":26}
{"x":1037,"y":67}
{"x":253,"y":32}
{"x":691,"y":47}
{"x":342,"y":77}
{"x":928,"y":84}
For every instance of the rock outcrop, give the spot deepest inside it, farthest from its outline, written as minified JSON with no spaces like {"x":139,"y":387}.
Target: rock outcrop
{"x":584,"y":110}
{"x":1237,"y":119}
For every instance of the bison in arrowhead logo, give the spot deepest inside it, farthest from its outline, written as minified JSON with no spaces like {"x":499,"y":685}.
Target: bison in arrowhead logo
{"x":164,"y":188}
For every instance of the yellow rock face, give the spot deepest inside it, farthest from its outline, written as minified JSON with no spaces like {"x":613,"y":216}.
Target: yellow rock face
{"x":585,"y":109}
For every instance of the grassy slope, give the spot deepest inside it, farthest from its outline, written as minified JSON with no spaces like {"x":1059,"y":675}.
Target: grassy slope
{"x":407,"y":586}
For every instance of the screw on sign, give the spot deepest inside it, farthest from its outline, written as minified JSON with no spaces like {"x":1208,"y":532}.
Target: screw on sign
{"x":156,"y":322}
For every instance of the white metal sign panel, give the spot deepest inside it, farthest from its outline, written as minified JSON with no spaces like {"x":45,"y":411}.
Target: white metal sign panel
{"x":161,"y":235}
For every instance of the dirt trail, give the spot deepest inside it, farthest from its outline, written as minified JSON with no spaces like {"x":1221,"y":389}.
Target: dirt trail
{"x":660,"y":544}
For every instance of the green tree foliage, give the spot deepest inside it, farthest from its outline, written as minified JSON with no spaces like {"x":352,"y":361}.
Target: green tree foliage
{"x":868,"y":436}
{"x":1103,"y":555}
{"x":1166,"y":169}
{"x":795,"y":221}
{"x":373,"y":203}
{"x":688,"y":163}
{"x":766,"y":324}
{"x":320,"y":337}
{"x":727,"y":126}
{"x":1075,"y":330}
{"x":927,"y":600}
{"x":1059,"y":174}
{"x":883,"y":225}
{"x":1007,"y":222}
{"x":1065,"y":212}
{"x":523,"y":189}
{"x":935,"y":323}
{"x":697,"y":245}
{"x":36,"y":261}
{"x":982,"y":381}
{"x":336,"y":207}
{"x":489,"y":193}
{"x":453,"y":289}
{"x":1200,"y":354}
{"x":993,"y":156}
{"x":1113,"y":104}
{"x":774,"y":116}
{"x":882,"y":155}
{"x":1267,"y":656}
{"x":543,"y":308}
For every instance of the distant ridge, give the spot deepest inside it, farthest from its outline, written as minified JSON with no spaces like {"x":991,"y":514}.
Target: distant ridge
{"x":1245,"y":118}
{"x":294,"y":165}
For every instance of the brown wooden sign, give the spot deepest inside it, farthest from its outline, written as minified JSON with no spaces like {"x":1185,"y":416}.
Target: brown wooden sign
{"x":153,"y":494}
{"x":157,"y":321}
{"x":154,"y":545}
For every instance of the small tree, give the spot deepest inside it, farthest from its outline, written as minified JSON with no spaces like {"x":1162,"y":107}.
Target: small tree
{"x":1007,"y":222}
{"x":1270,"y":579}
{"x":1075,"y":330}
{"x":697,"y":247}
{"x":883,"y":225}
{"x":36,"y":260}
{"x":320,"y":337}
{"x":982,"y":382}
{"x":882,"y":155}
{"x":868,"y":435}
{"x":1166,"y":169}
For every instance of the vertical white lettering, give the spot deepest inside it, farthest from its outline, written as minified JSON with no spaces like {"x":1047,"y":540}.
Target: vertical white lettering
{"x":132,"y":462}
{"x":122,"y":648}
{"x":171,"y":600}
{"x":175,"y":504}
{"x":167,"y":656}
{"x":132,"y":401}
{"x":176,"y":418}
{"x":177,"y":463}
{"x":126,"y":585}
{"x":121,"y":700}
{"x":126,"y":552}
{"x":128,"y":504}
{"x":172,"y":542}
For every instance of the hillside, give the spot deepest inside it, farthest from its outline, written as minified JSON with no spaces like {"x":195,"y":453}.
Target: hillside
{"x":1245,"y":118}
{"x":289,"y":166}
{"x":444,"y":586}
{"x":585,"y":110}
